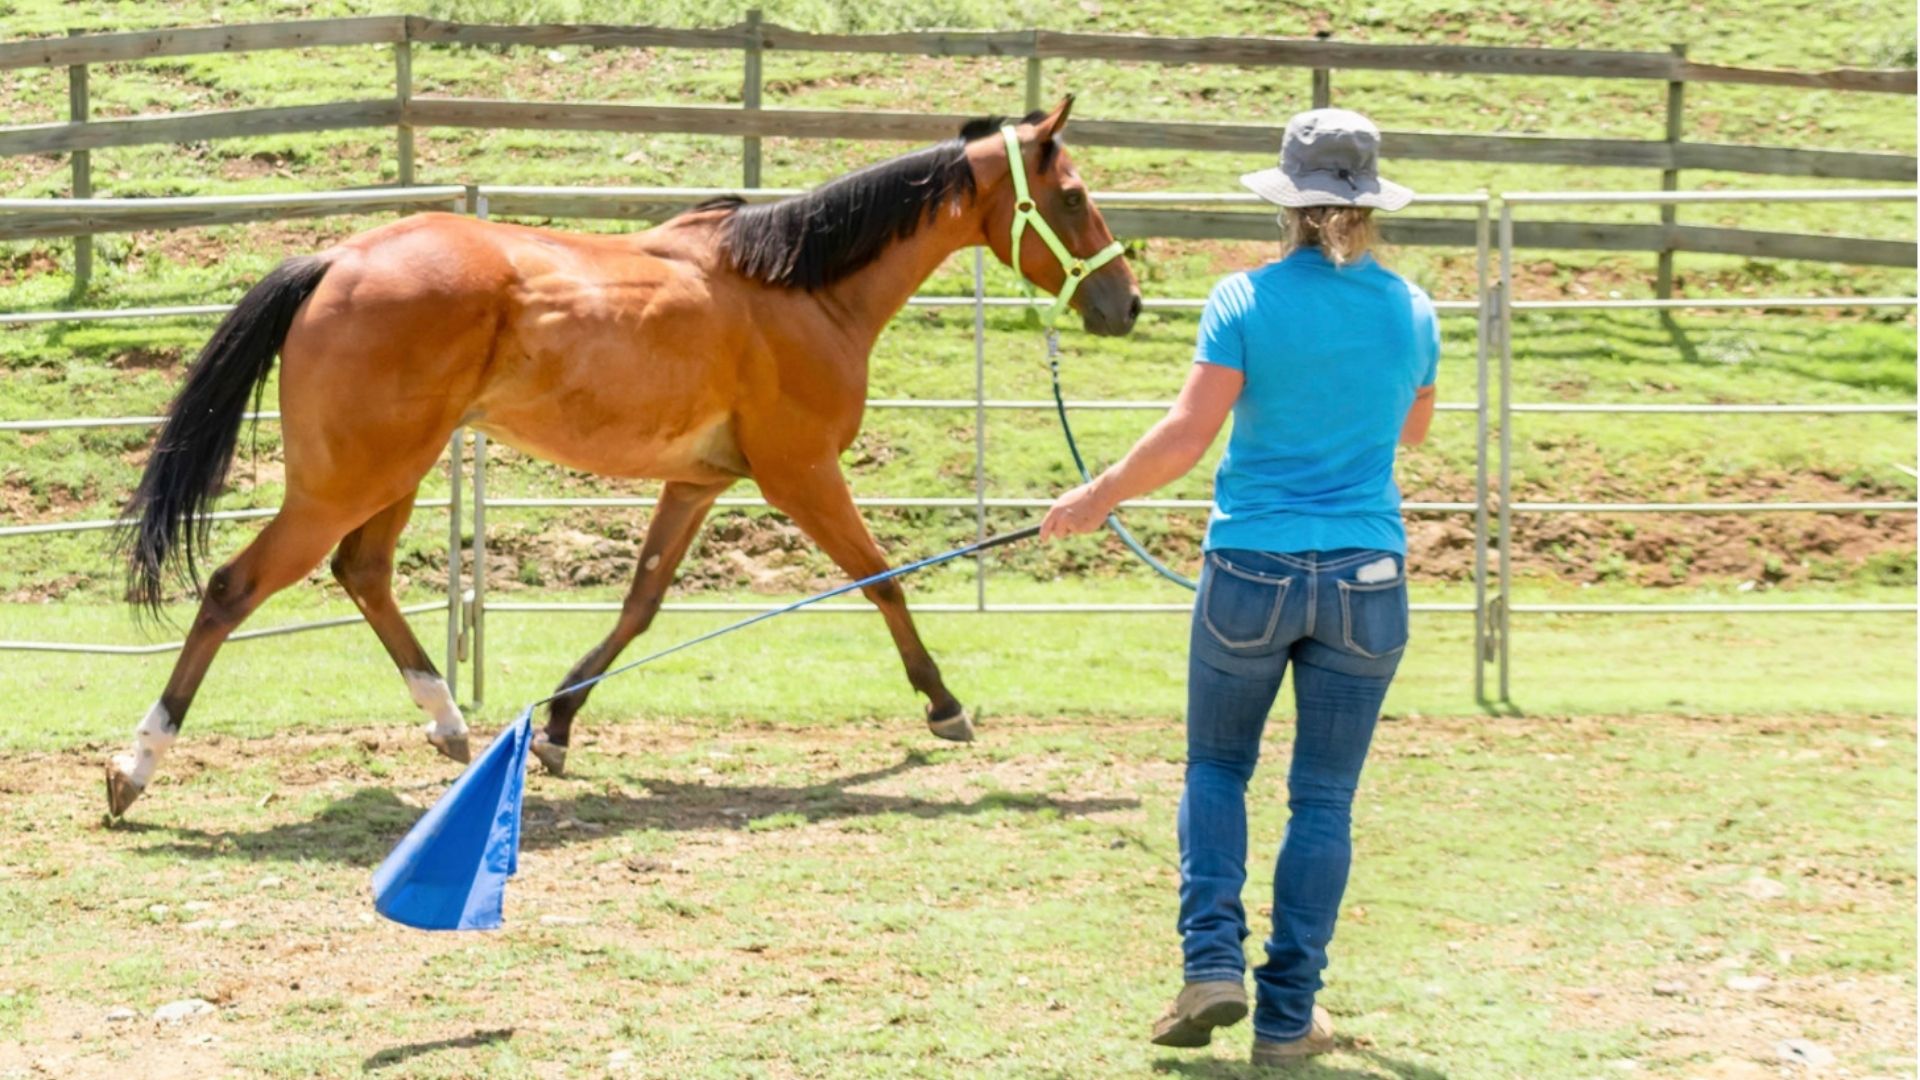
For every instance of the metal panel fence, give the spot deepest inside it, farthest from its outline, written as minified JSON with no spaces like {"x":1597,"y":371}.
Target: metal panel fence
{"x":1502,"y":606}
{"x":467,"y":603}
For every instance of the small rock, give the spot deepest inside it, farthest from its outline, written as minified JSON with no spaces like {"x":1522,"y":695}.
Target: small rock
{"x":1669,"y":988}
{"x":120,"y":1014}
{"x":196,"y":906}
{"x":158,"y":911}
{"x":620,"y":1060}
{"x":175,"y":1012}
{"x":563,"y":920}
{"x":1749,"y":984}
{"x":1764,"y":888}
{"x":198,"y":925}
{"x":271,"y":881}
{"x":1804,"y":1052}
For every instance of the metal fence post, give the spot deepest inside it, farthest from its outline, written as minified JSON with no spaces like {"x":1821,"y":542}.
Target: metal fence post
{"x":77,"y":111}
{"x":1504,"y":600}
{"x":980,"y":422}
{"x":750,"y":99}
{"x":476,"y":608}
{"x":1482,"y":403}
{"x":1670,"y":177}
{"x":453,"y":560}
{"x":403,"y":97}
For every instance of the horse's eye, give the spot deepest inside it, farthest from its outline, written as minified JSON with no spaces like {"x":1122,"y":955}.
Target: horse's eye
{"x":1074,"y":200}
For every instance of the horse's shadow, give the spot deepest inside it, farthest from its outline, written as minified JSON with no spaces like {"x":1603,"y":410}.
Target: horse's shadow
{"x":359,"y":829}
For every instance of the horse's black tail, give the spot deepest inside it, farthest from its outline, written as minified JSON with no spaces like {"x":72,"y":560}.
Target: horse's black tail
{"x":188,"y":467}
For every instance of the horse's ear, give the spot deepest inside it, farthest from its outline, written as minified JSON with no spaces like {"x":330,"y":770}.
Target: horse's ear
{"x":1055,"y":122}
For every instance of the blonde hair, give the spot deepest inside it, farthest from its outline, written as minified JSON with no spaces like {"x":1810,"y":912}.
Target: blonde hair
{"x":1342,"y":233}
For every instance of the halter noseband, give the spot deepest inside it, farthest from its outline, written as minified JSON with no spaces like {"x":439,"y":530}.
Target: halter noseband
{"x":1026,"y":213}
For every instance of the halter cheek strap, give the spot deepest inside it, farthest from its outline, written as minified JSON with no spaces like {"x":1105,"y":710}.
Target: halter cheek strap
{"x":1026,"y":214}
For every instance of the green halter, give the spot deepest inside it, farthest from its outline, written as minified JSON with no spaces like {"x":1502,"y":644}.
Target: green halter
{"x":1025,"y":213}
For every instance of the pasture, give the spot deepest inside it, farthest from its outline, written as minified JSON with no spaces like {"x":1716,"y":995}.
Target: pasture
{"x":1684,"y":850}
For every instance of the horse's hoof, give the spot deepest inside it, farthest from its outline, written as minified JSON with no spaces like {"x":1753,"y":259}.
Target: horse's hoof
{"x":553,"y":756}
{"x":456,"y":747}
{"x":955,"y":728}
{"x":121,"y":791}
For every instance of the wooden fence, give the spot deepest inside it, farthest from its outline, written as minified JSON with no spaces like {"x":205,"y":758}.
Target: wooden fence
{"x":751,"y":122}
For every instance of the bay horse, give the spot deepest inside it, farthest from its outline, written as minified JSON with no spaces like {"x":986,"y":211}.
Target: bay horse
{"x":729,"y":342}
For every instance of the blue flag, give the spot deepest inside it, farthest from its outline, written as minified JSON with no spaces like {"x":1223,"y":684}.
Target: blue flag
{"x":450,"y":871}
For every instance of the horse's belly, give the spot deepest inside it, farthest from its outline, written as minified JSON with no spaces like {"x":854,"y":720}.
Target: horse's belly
{"x":706,"y":451}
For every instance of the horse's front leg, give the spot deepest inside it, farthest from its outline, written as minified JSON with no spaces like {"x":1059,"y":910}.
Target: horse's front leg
{"x":676,"y":519}
{"x":814,"y":494}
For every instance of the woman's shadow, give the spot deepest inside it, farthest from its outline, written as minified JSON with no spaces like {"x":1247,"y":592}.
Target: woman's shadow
{"x":1382,"y":1066}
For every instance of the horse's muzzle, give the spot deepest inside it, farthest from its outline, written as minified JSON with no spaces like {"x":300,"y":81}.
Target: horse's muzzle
{"x":1110,"y":312}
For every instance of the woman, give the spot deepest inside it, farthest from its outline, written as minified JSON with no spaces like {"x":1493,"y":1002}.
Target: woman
{"x":1326,"y":359}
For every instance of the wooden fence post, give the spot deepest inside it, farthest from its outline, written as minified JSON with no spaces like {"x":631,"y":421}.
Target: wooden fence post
{"x":1033,"y":73}
{"x":403,"y":94}
{"x":1322,"y":79}
{"x":77,"y":111}
{"x":1670,"y":178}
{"x":750,"y":99}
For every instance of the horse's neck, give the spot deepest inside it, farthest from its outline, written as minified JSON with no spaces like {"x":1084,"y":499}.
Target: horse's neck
{"x":870,"y":297}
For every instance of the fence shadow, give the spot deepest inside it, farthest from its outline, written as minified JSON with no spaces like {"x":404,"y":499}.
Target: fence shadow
{"x":360,"y":828}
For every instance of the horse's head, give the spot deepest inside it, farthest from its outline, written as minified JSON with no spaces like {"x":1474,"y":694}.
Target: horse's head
{"x":1085,"y":264}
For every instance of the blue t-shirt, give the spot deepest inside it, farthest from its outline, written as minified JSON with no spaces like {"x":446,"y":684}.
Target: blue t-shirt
{"x":1332,"y":357}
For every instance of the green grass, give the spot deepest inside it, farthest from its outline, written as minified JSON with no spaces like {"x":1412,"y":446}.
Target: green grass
{"x":836,"y":668}
{"x":708,"y":899}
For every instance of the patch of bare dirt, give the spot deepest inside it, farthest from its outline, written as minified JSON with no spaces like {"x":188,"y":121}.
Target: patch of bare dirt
{"x":20,"y":266}
{"x":198,"y":247}
{"x":25,"y":506}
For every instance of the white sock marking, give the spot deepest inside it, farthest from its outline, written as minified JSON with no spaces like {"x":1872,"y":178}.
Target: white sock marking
{"x":151,"y":741}
{"x":431,"y":694}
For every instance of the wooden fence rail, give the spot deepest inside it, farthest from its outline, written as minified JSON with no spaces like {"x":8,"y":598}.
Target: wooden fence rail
{"x":405,"y":112}
{"x":1038,"y":44}
{"x":427,"y":112}
{"x":1131,"y":221}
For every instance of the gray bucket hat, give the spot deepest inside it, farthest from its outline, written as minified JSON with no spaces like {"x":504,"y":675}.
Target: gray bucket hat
{"x":1329,"y":157}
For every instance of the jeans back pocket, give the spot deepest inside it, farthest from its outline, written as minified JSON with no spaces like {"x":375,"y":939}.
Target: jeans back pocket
{"x":1373,"y":616}
{"x":1239,"y":607}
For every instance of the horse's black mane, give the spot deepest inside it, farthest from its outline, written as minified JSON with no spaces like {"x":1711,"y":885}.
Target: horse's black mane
{"x":813,"y":240}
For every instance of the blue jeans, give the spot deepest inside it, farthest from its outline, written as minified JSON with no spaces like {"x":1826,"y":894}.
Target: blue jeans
{"x":1340,"y":617}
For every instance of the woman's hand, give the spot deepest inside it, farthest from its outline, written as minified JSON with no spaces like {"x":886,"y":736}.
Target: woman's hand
{"x":1078,"y":512}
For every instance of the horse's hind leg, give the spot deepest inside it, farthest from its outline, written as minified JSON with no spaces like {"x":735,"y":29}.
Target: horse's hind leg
{"x":292,"y":544}
{"x":364,"y":567}
{"x":676,"y":519}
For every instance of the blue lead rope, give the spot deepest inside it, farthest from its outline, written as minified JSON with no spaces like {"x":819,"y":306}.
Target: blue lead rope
{"x":887,"y":575}
{"x":450,"y":871}
{"x":1073,"y":447}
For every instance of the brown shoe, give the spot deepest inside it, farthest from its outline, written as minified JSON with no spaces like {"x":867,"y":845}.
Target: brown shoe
{"x":1201,"y":1007}
{"x":1317,"y":1040}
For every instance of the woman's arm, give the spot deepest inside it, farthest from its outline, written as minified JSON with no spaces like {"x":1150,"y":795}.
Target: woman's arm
{"x":1419,"y":418}
{"x":1164,"y":454}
